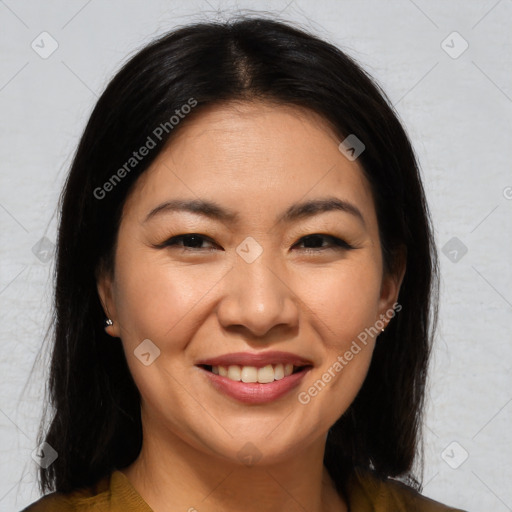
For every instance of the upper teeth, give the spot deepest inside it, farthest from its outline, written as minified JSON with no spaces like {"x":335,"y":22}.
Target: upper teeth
{"x":263,"y":375}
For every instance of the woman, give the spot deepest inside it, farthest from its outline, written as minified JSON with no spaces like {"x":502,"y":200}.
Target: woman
{"x":246,"y":286}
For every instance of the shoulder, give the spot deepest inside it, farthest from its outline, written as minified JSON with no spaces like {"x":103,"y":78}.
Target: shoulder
{"x":55,"y":502}
{"x":80,"y":500}
{"x":367,"y":491}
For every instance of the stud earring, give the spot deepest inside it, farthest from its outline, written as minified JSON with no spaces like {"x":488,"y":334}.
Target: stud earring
{"x":108,"y":322}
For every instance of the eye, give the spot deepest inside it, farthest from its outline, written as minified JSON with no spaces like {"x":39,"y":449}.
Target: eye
{"x":190,"y":241}
{"x":316,"y":241}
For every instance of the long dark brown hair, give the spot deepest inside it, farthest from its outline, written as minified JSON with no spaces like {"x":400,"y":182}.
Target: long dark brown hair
{"x":95,"y":423}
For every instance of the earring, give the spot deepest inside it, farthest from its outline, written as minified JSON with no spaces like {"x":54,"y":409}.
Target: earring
{"x":108,"y":322}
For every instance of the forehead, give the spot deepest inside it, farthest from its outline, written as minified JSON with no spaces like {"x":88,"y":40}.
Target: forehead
{"x":254,"y":156}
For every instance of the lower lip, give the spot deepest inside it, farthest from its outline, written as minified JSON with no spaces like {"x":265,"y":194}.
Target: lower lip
{"x":254,"y":392}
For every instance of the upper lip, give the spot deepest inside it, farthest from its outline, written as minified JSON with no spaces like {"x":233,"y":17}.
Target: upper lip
{"x":258,"y":360}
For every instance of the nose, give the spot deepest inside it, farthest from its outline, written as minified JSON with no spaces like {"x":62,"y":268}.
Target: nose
{"x":258,"y":297}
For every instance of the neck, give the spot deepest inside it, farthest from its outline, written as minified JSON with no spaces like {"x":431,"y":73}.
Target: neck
{"x":171,"y":474}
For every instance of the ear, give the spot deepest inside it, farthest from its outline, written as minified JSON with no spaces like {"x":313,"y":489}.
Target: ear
{"x":391,"y":283}
{"x":104,"y":285}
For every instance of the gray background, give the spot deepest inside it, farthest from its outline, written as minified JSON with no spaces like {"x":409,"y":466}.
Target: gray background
{"x":457,"y":109}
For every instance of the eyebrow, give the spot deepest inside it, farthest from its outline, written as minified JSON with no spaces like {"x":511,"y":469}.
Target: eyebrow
{"x":295,"y":212}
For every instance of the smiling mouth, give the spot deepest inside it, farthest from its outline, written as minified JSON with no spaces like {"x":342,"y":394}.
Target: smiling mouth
{"x":252,"y":374}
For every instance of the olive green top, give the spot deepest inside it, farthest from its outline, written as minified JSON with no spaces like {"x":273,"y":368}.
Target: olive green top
{"x":115,"y":493}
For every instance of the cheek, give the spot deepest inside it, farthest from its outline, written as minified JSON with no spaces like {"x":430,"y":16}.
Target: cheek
{"x":154,"y":297}
{"x":344,"y":305}
{"x":346,"y":299}
{"x":156,"y":300}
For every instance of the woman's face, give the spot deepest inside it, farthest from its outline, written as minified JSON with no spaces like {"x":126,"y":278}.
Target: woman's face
{"x":276,"y":265}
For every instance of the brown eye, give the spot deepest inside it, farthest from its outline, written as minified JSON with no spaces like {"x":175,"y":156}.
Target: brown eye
{"x":191,"y":241}
{"x":314,"y":243}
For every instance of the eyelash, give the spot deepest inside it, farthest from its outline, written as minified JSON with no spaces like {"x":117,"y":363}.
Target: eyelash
{"x":336,"y":243}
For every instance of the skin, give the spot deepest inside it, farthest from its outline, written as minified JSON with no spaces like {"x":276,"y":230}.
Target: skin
{"x":204,"y":300}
